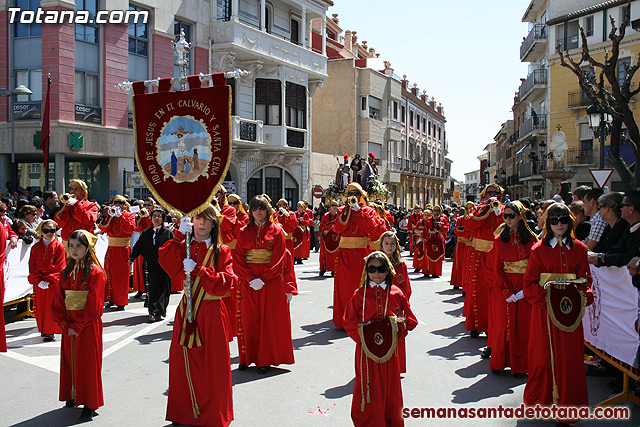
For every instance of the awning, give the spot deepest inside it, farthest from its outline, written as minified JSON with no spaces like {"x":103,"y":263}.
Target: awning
{"x":524,"y":147}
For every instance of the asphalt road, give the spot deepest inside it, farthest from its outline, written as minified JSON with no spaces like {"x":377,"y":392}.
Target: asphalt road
{"x":444,"y":368}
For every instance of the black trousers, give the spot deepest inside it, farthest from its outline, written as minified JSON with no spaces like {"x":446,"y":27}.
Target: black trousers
{"x":158,"y":288}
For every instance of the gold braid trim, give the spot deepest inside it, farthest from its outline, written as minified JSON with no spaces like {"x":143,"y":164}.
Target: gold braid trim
{"x":192,"y":392}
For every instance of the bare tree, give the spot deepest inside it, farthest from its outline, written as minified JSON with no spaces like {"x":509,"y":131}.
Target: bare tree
{"x":600,"y":83}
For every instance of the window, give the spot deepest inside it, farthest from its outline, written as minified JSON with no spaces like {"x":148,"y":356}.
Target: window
{"x":623,"y":65}
{"x":27,"y":30}
{"x":403,"y":114}
{"x":363,"y":103}
{"x":295,"y":105}
{"x":177,"y":26}
{"x":268,"y":101}
{"x":375,"y":106}
{"x":410,"y":119}
{"x":626,"y":14}
{"x":418,"y":121}
{"x":138,"y":35}
{"x":86,"y":88}
{"x":424,"y":125}
{"x":429,"y":128}
{"x":267,"y":19}
{"x":439,"y":132}
{"x":31,"y":79}
{"x":589,"y":25}
{"x":395,"y":110}
{"x":87,"y":32}
{"x":295,"y":31}
{"x":223,"y":11}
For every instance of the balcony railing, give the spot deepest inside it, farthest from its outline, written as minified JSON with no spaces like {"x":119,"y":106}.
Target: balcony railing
{"x":246,"y":130}
{"x":531,"y":168}
{"x":538,"y":32}
{"x":575,"y":156}
{"x":578,"y":98}
{"x":570,"y":42}
{"x":533,"y":123}
{"x":395,"y":166}
{"x":295,"y":138}
{"x":537,"y":77}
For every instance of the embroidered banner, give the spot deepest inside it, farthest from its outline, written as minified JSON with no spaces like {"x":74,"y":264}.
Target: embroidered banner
{"x":610,"y":322}
{"x":183,"y":141}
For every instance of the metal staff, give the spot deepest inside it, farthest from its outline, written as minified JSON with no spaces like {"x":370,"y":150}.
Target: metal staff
{"x":187,"y":287}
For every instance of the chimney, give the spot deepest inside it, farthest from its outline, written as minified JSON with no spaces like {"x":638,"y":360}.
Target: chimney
{"x":335,"y":18}
{"x":364,"y":44}
{"x":424,"y":96}
{"x":432,"y":103}
{"x":404,"y":82}
{"x":440,"y":107}
{"x":414,"y":89}
{"x":372,"y":52}
{"x":347,"y":40}
{"x":388,"y":71}
{"x":354,"y":38}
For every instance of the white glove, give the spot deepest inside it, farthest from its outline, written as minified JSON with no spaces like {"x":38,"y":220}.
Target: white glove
{"x":118,"y":212}
{"x":72,"y":201}
{"x":520,"y":295}
{"x":289,"y":298}
{"x":256,"y":284}
{"x":512,"y":298}
{"x":355,"y":207}
{"x":185,"y":225}
{"x":284,"y":212}
{"x":189,"y":265}
{"x":43,"y":285}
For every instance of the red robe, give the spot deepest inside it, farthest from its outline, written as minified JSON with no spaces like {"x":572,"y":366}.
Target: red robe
{"x":433,"y":234}
{"x":305,"y":221}
{"x":81,"y":216}
{"x":208,"y":376}
{"x":142,"y":223}
{"x":460,"y":254}
{"x":84,"y":352}
{"x":510,"y":326}
{"x":288,"y":224}
{"x":228,"y":234}
{"x":234,"y":305}
{"x":115,"y":261}
{"x":362,"y":224}
{"x":385,"y":405}
{"x":568,"y":347}
{"x":328,"y":260}
{"x":418,"y":256}
{"x":401,"y":280}
{"x":482,"y":223}
{"x":265,"y":316}
{"x":45,"y":264}
{"x":412,"y":223}
{"x":5,"y":234}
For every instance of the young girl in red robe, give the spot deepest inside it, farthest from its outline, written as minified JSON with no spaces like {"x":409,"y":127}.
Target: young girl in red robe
{"x":77,"y":307}
{"x":555,"y":362}
{"x":377,"y":393}
{"x":199,"y":372}
{"x":510,"y":311}
{"x":391,"y":248}
{"x":46,"y":261}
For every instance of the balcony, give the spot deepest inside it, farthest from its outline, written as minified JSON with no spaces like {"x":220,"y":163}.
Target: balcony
{"x":533,"y":126}
{"x":246,"y":131}
{"x":578,"y":99}
{"x":236,"y":42}
{"x":577,"y":157}
{"x":530,"y":169}
{"x":535,"y":43}
{"x":535,"y":83}
{"x":284,"y":138}
{"x":569,"y":43}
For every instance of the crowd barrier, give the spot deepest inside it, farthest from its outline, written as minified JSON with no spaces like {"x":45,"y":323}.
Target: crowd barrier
{"x":610,"y":326}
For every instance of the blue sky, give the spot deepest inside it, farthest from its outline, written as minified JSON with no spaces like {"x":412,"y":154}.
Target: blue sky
{"x":464,"y":53}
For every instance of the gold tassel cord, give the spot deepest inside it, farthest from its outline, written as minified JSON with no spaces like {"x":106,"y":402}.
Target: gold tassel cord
{"x":194,"y":402}
{"x":556,"y":395}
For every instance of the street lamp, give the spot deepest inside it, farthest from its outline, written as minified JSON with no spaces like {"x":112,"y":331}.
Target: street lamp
{"x":599,"y":122}
{"x":495,"y":178}
{"x":503,"y":174}
{"x":20,"y":90}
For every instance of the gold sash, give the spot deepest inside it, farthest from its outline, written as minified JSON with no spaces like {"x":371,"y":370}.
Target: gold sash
{"x":546,"y":277}
{"x":516,"y":267}
{"x":482,"y":245}
{"x":259,"y":256}
{"x":75,"y":300}
{"x":119,"y":242}
{"x":354,"y":242}
{"x":464,"y":240}
{"x":232,"y":244}
{"x":209,"y":297}
{"x":288,"y":236}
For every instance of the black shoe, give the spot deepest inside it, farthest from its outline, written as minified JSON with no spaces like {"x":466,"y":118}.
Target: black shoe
{"x":120,"y":308}
{"x":48,"y":338}
{"x":333,"y":273}
{"x":426,"y":276}
{"x":108,"y":304}
{"x":486,"y":353}
{"x":138,"y":295}
{"x":86,"y":415}
{"x":321,"y":273}
{"x":70,"y":403}
{"x":518,"y":376}
{"x":496,"y":371}
{"x":464,"y":294}
{"x":242,"y":367}
{"x":475,"y":334}
{"x":152,"y":318}
{"x":158,"y":317}
{"x":435,"y":277}
{"x":146,"y":304}
{"x":417,"y":270}
{"x":263,"y":369}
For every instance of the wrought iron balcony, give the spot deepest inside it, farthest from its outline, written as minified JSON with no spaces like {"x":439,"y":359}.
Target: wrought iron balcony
{"x":578,"y":99}
{"x":246,"y":130}
{"x":532,"y":126}
{"x":576,"y":156}
{"x":536,"y":40}
{"x":536,"y":80}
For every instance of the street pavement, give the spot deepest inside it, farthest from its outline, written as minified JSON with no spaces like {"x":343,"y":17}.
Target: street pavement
{"x":444,"y":368}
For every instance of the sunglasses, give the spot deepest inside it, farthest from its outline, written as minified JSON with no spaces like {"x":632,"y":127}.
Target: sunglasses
{"x":234,"y":203}
{"x":380,"y":269}
{"x":509,"y":216}
{"x":602,"y":206}
{"x":259,"y":208}
{"x":118,"y":202}
{"x":48,"y":230}
{"x":562,"y":219}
